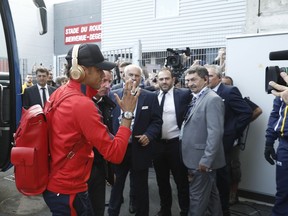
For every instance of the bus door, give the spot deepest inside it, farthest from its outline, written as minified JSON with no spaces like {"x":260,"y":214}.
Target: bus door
{"x":10,"y":80}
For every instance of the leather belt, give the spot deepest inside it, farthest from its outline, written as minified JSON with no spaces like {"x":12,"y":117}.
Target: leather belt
{"x":175,"y":139}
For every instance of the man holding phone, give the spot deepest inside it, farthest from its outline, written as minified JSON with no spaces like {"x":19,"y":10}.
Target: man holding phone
{"x":277,"y":129}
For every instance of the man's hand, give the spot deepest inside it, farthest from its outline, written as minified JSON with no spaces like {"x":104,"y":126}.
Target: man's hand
{"x":203,"y":168}
{"x":143,"y":140}
{"x":196,"y":62}
{"x":270,"y":154}
{"x":130,"y":96}
{"x":280,"y":90}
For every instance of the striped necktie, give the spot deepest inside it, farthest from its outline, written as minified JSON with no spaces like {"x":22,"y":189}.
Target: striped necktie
{"x":190,"y":106}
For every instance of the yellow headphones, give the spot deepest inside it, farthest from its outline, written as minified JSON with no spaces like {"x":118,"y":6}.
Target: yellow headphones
{"x":77,"y":72}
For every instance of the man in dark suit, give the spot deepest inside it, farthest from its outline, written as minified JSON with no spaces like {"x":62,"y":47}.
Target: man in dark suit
{"x":237,"y":116}
{"x":167,"y":158}
{"x":101,"y":169}
{"x":121,"y":66}
{"x":38,"y":94}
{"x":202,"y":148}
{"x":146,"y":128}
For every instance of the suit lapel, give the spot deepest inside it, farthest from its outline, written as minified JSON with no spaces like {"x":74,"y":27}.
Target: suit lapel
{"x":140,"y":103}
{"x":176,"y":102}
{"x":36,"y":95}
{"x":49,"y":90}
{"x":220,"y":89}
{"x":198,"y":102}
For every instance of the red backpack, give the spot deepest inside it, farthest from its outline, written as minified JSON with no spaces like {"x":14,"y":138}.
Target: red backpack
{"x":30,"y":154}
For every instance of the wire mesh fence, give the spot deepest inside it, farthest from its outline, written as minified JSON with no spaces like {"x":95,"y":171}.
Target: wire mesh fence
{"x":177,"y":59}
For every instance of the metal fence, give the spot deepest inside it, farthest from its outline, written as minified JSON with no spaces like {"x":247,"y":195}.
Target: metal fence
{"x":152,"y":62}
{"x":125,"y":54}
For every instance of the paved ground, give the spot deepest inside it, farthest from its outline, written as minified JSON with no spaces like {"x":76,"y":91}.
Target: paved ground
{"x":12,"y":203}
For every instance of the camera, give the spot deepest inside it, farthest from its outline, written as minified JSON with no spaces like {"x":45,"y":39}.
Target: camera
{"x":175,"y":61}
{"x":272,"y":73}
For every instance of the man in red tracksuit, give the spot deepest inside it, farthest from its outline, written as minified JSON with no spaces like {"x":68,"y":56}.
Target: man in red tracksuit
{"x":77,"y":122}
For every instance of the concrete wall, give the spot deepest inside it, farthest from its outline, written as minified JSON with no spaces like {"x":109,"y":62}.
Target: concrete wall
{"x":265,"y":16}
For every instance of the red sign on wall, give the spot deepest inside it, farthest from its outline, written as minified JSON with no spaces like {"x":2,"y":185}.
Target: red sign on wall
{"x":83,"y":33}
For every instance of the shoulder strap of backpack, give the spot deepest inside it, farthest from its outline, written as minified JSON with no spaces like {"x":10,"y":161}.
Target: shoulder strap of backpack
{"x":76,"y":146}
{"x":69,"y":156}
{"x":61,"y":99}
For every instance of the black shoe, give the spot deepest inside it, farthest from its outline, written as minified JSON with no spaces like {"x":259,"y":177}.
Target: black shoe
{"x":226,"y":212}
{"x":132,"y":208}
{"x":182,"y":213}
{"x":233,"y":198}
{"x":164,"y":213}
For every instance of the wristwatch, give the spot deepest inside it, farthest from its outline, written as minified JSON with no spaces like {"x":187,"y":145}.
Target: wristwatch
{"x":128,"y":115}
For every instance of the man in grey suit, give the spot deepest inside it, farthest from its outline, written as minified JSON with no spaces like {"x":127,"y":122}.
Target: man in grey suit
{"x":202,"y":148}
{"x":40,"y":93}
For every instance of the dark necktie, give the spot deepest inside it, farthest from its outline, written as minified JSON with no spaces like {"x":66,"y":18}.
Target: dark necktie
{"x":44,"y":95}
{"x":162,"y":101}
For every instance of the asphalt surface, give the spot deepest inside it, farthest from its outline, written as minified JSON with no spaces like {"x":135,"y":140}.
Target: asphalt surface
{"x":13,"y":203}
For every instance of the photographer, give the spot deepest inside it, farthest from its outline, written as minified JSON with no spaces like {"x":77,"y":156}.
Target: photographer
{"x":277,"y":129}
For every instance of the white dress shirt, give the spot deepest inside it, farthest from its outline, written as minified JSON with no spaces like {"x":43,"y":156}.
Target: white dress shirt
{"x":169,"y":128}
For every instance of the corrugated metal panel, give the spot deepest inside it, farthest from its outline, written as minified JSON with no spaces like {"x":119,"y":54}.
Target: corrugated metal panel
{"x":200,"y":23}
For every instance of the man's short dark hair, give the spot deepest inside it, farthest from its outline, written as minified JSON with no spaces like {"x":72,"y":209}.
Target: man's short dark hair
{"x":228,"y":77}
{"x":200,"y":70}
{"x":42,"y":70}
{"x":166,"y":69}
